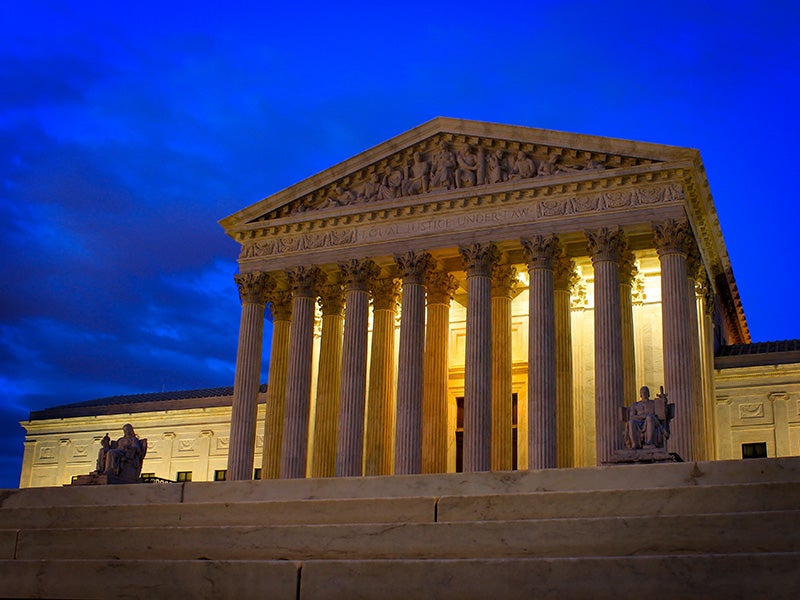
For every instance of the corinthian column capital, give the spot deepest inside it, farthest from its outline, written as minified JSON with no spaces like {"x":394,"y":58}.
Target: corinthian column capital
{"x":440,"y":286}
{"x":253,"y":287}
{"x":331,"y":299}
{"x":413,"y":265}
{"x":627,"y":266}
{"x":385,"y":293}
{"x":479,"y":258}
{"x":357,"y":273}
{"x":672,"y":237}
{"x":280,"y":304}
{"x":540,"y":251}
{"x":605,"y":244}
{"x":504,"y":281}
{"x":305,"y":281}
{"x":565,"y":276}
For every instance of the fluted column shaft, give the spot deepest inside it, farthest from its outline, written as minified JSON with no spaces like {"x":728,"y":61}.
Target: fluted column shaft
{"x":323,"y":458}
{"x":440,"y":286}
{"x":504,"y":281}
{"x":672,"y":242}
{"x":305,"y":282}
{"x":694,"y":271}
{"x":706,"y":314}
{"x":479,"y":260}
{"x":540,"y":252}
{"x":564,"y":277}
{"x":627,"y":272}
{"x":604,"y":247}
{"x":408,"y":435}
{"x":353,"y":391}
{"x":253,"y":289}
{"x":379,"y":434}
{"x":281,"y":307}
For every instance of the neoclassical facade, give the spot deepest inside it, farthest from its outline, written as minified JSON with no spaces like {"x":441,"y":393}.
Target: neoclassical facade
{"x":481,"y":216}
{"x":467,"y":297}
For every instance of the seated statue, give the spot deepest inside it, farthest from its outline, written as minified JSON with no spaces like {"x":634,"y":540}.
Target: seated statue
{"x":124,"y":457}
{"x":648,"y":421}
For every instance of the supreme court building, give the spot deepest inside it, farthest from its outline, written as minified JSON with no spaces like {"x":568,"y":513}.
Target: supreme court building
{"x":472,"y":296}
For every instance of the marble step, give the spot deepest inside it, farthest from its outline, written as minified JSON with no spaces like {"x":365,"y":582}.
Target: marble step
{"x":774,"y":531}
{"x":771,"y":575}
{"x":450,"y":484}
{"x":635,"y":502}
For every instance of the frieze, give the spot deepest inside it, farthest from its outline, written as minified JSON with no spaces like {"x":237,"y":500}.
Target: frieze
{"x":447,"y":162}
{"x":487,"y":210}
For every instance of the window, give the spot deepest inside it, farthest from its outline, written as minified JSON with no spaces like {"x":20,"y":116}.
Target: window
{"x":220,"y":475}
{"x":183,"y":476}
{"x":754,"y":450}
{"x":257,"y":474}
{"x":74,"y":478}
{"x":147,"y":476}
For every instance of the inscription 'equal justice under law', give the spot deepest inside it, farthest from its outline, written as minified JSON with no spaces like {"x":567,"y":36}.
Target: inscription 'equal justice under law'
{"x":444,"y":224}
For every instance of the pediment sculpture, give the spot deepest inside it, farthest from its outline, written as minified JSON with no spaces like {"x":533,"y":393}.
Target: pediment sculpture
{"x":444,"y":163}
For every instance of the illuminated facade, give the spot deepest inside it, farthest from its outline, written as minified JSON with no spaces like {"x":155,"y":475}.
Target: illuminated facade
{"x":401,"y":285}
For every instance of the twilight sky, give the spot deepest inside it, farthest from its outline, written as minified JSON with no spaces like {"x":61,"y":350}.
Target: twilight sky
{"x":127,"y":130}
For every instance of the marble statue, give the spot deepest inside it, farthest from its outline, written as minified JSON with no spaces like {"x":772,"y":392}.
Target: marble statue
{"x":124,"y":457}
{"x":647,"y":421}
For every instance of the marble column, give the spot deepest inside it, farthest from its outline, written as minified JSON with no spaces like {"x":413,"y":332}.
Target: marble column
{"x":281,"y":307}
{"x":540,"y":253}
{"x":504,"y":283}
{"x":564,"y":277}
{"x":353,"y":391}
{"x":253,"y":289}
{"x":441,"y":286}
{"x":408,"y":435}
{"x":694,"y":272}
{"x":379,"y":434}
{"x":604,"y":247}
{"x":305,"y":282}
{"x":323,"y":454}
{"x":707,"y":306}
{"x":627,"y":272}
{"x":479,"y":259}
{"x":673,"y":240}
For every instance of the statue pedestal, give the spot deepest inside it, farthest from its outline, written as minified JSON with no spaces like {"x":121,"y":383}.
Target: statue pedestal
{"x":643,"y":455}
{"x":102,"y":479}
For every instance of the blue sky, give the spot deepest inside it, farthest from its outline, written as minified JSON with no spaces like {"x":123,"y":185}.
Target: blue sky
{"x":127,"y":132}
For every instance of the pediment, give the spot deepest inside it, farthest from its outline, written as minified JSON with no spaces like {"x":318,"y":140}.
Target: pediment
{"x":446,"y":155}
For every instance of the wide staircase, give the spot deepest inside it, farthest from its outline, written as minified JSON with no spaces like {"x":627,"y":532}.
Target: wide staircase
{"x":727,"y":529}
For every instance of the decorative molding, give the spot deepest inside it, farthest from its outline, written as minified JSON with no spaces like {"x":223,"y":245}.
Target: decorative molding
{"x":358,"y":273}
{"x":332,"y":299}
{"x":440,"y":215}
{"x":305,"y":281}
{"x":751,"y":410}
{"x":280,"y":305}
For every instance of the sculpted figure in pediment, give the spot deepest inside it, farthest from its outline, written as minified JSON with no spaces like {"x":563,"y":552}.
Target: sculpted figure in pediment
{"x":467,"y":172}
{"x":391,"y":185}
{"x":340,"y":197}
{"x":418,"y":172}
{"x":444,"y":163}
{"x":496,"y":171}
{"x":369,"y":191}
{"x":523,"y":168}
{"x":549,"y":166}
